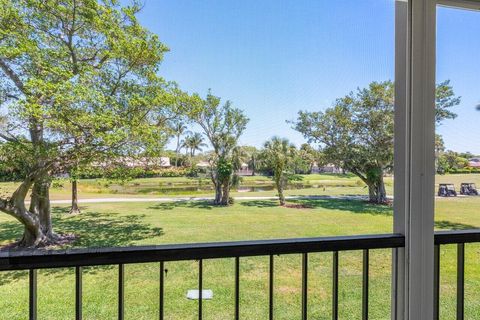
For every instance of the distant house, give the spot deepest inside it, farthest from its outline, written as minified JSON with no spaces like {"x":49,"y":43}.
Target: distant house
{"x":474,"y":162}
{"x":328,"y":168}
{"x":144,"y":162}
{"x":244,"y":170}
{"x":203,"y":164}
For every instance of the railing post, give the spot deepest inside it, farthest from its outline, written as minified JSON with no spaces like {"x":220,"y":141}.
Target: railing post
{"x":270,"y":289}
{"x":365,"y":274}
{"x":33,"y":294}
{"x":78,"y":293}
{"x":335,"y":286}
{"x":200,"y":289}
{"x":161,"y":311}
{"x":436,"y":287}
{"x":460,"y":281}
{"x":121,"y":291}
{"x":304,"y":285}
{"x":237,"y":288}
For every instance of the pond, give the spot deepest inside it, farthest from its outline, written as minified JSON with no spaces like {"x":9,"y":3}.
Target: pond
{"x":205,"y":188}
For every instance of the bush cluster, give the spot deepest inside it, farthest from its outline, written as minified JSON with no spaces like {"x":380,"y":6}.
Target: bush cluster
{"x":464,"y":170}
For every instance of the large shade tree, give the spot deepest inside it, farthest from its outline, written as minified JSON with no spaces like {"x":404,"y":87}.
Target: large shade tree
{"x":356,"y":133}
{"x":78,"y":81}
{"x":223,"y":125}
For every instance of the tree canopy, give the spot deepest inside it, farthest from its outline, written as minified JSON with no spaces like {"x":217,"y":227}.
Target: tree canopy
{"x":278,"y":155}
{"x":78,"y":80}
{"x":356,"y":133}
{"x":223,"y":125}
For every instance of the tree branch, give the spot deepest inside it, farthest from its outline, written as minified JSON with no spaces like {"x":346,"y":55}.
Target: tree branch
{"x":12,"y":75}
{"x":8,"y":138}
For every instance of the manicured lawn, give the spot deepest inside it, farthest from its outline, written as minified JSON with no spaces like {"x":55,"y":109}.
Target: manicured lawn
{"x":125,"y":224}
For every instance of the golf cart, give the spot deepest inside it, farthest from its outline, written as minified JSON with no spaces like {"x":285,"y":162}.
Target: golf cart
{"x":446,"y":190}
{"x":468,"y":189}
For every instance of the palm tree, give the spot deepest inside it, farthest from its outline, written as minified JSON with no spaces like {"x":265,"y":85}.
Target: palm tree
{"x":194,"y":142}
{"x":278,"y":155}
{"x":179,"y":129}
{"x":239,"y":156}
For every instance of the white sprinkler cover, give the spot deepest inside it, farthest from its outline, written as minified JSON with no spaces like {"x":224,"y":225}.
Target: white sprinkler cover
{"x":193,"y":294}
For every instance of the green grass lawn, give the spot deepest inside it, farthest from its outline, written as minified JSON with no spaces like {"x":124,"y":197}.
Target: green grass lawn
{"x":125,"y":224}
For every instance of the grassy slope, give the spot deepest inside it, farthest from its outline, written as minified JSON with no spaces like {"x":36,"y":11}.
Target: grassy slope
{"x":125,"y":224}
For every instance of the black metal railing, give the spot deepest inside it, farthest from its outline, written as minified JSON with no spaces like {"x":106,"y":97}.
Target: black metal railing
{"x":33,"y":260}
{"x":78,"y":258}
{"x":459,"y":238}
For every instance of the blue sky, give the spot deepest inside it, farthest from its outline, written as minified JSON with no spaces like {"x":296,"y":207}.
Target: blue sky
{"x":273,"y":58}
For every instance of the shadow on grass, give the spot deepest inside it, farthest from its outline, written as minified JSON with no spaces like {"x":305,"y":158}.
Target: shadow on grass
{"x":353,"y":205}
{"x":448,"y":225}
{"x":259,"y":203}
{"x":347,"y":205}
{"x":92,"y":229}
{"x":193,"y":204}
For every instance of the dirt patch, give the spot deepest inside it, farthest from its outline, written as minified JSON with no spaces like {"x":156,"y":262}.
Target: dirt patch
{"x":61,"y":241}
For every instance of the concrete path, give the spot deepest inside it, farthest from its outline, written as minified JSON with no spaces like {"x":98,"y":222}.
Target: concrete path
{"x":182,"y":199}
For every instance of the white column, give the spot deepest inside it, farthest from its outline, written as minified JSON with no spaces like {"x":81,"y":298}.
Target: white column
{"x":401,"y":158}
{"x":414,"y":158}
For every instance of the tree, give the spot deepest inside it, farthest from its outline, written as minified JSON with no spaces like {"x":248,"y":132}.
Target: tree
{"x":79,"y":81}
{"x":451,"y":160}
{"x":304,"y":159}
{"x":444,"y":100}
{"x":249,"y":155}
{"x":75,"y":208}
{"x":357,"y":132}
{"x":179,"y":129}
{"x":439,"y":149}
{"x":194,"y":142}
{"x":223,"y":125}
{"x":278,"y":156}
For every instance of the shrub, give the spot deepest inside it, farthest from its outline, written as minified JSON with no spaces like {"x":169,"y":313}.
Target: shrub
{"x":192,"y":172}
{"x":466,"y":170}
{"x":170,"y":172}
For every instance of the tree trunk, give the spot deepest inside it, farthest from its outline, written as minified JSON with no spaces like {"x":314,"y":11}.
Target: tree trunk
{"x":279,"y":186}
{"x":37,"y":222}
{"x":33,"y":235}
{"x":376,"y":191}
{"x":75,"y":208}
{"x":40,"y":207}
{"x":218,"y":193}
{"x":38,"y":231}
{"x":225,"y":193}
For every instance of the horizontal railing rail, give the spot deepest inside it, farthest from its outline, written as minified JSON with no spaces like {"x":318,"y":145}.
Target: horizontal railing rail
{"x":457,"y":236}
{"x":40,"y":259}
